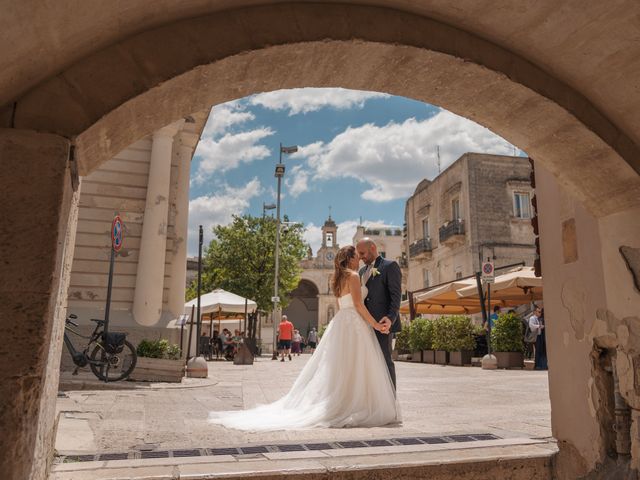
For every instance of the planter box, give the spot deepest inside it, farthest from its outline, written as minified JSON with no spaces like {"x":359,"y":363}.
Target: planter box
{"x":158,"y":370}
{"x":460,"y":358}
{"x":428,"y":356}
{"x":416,"y":356}
{"x":509,"y":359}
{"x":442,"y":357}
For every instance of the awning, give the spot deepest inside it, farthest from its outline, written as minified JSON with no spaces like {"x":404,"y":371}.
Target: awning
{"x":513,"y":288}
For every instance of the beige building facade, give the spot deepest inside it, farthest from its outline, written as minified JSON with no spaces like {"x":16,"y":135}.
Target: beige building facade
{"x":312,"y":302}
{"x":147,"y":185}
{"x":478,"y":209}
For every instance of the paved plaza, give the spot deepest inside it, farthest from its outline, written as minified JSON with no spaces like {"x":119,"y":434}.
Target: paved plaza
{"x":434,"y":400}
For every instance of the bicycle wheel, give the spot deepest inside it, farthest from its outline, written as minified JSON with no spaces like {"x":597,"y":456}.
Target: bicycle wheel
{"x":113,"y":366}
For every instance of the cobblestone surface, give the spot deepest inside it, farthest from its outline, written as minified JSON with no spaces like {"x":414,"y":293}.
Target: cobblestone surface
{"x":434,"y":400}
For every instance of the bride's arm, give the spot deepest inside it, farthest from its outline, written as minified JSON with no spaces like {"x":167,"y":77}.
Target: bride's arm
{"x":356,"y":295}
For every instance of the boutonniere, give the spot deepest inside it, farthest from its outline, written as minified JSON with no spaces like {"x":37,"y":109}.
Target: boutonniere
{"x":375,"y":272}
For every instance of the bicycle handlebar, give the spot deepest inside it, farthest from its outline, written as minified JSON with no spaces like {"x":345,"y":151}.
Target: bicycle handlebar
{"x":72,"y":323}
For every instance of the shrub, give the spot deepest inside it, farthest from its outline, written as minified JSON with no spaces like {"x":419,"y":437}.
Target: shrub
{"x":506,"y":334}
{"x":440,"y":334}
{"x":420,"y":334}
{"x":160,"y":348}
{"x":402,"y":339}
{"x":462,"y":333}
{"x":453,"y":333}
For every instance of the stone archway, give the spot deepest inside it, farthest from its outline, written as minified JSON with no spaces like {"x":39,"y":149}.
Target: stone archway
{"x":99,"y":82}
{"x":303,"y":309}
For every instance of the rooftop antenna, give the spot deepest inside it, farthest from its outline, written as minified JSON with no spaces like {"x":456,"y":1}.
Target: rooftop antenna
{"x":329,"y":212}
{"x":439,"y":164}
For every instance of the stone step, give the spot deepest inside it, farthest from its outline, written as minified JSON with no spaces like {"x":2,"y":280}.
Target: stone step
{"x":505,"y":459}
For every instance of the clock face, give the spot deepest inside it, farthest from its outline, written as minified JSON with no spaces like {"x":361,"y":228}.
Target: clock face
{"x":329,"y":256}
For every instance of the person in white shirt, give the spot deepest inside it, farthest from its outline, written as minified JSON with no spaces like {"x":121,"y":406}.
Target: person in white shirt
{"x":312,"y":339}
{"x":536,"y":326}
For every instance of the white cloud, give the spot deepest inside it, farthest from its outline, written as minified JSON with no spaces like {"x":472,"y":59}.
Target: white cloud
{"x":224,"y":116}
{"x":393,"y":158}
{"x":218,"y":209}
{"x":305,"y":100}
{"x":297,"y":181}
{"x":230,"y":151}
{"x":346,"y":231}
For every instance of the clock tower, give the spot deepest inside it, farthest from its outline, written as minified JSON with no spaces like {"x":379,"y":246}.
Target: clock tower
{"x":327,"y":252}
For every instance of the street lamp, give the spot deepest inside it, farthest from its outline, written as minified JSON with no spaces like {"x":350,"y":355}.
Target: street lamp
{"x":279,"y":173}
{"x":267,"y":206}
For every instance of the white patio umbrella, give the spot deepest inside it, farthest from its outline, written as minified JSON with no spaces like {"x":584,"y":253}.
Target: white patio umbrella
{"x":513,"y":288}
{"x":222,"y":305}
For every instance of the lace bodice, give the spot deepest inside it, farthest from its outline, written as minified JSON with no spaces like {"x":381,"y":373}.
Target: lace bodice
{"x":346,"y":301}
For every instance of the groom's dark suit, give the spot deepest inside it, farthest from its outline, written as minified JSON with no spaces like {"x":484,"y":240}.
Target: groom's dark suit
{"x":383,"y":300}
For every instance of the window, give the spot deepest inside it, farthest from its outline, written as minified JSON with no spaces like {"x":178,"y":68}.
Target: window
{"x":521,"y":205}
{"x":455,"y":209}
{"x":329,"y":239}
{"x":425,"y":228}
{"x":426,"y":278}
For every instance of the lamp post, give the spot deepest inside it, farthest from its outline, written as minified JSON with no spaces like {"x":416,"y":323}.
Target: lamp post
{"x":265,"y":207}
{"x":279,"y":173}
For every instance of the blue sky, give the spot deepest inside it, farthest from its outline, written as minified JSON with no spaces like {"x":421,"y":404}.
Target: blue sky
{"x":362,"y":153}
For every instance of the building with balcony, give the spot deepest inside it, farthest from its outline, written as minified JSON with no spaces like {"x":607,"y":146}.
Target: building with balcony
{"x":478,"y":208}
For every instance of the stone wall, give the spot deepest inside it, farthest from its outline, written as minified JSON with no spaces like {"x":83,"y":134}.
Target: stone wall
{"x":593,"y":333}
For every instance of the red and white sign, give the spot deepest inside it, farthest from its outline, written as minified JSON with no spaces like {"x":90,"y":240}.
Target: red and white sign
{"x":117,"y":233}
{"x":488,"y":272}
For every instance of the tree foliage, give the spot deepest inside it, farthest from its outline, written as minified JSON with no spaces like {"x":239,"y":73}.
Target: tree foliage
{"x":241,"y":259}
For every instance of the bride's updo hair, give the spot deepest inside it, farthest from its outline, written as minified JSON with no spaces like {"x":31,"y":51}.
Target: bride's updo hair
{"x":341,"y":272}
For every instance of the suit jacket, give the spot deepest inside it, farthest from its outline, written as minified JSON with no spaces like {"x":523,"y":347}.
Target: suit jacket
{"x":384,"y":292}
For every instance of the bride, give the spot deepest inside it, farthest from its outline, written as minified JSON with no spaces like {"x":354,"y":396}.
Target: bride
{"x":345,"y":383}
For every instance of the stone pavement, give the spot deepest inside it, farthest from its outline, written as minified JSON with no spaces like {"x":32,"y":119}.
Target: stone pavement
{"x":435,"y":400}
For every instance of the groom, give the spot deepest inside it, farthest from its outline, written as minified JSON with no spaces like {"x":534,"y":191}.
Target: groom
{"x":383,"y":280}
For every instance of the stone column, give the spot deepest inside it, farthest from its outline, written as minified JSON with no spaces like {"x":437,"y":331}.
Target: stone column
{"x":147,"y":300}
{"x":39,"y":212}
{"x":178,"y":273}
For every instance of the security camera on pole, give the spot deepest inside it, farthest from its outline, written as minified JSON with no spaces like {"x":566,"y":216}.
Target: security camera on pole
{"x":279,"y":173}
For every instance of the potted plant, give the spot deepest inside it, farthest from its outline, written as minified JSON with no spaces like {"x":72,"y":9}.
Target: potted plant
{"x":426,"y":335}
{"x":507,"y":342}
{"x":402,"y":347}
{"x":440,"y":341}
{"x":461,"y":340}
{"x":420,"y":337}
{"x":158,"y":361}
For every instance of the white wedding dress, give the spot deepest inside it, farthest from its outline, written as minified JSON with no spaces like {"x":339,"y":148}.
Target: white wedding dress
{"x":345,"y":383}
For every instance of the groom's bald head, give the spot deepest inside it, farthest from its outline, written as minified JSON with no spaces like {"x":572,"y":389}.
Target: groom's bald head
{"x":367,"y":250}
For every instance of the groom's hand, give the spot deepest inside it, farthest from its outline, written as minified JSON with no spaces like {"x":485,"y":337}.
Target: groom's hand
{"x":386,"y":323}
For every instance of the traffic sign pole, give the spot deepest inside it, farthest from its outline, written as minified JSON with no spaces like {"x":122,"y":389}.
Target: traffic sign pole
{"x":117,"y":239}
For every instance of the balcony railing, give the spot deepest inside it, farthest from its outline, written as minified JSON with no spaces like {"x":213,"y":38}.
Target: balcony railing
{"x":419,"y":247}
{"x":451,"y":229}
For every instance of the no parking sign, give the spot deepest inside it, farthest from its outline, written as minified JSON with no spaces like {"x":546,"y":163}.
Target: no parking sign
{"x":488,"y":272}
{"x":117,"y":233}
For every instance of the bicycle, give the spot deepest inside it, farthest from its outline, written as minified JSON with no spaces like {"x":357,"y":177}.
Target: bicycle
{"x":112,"y":357}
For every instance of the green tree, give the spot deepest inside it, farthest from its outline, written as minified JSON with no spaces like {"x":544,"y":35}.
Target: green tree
{"x":241,"y":259}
